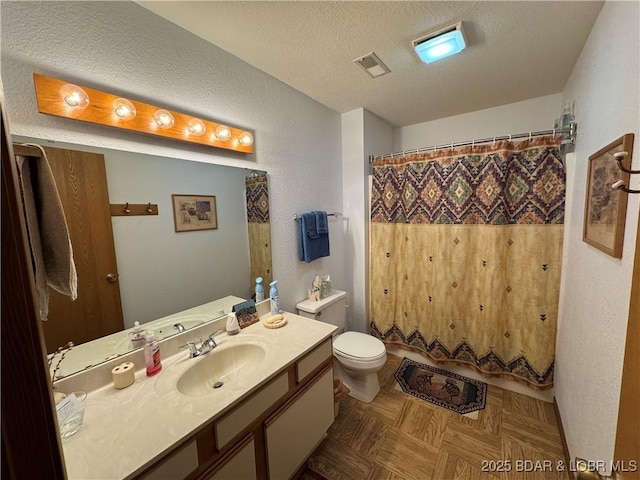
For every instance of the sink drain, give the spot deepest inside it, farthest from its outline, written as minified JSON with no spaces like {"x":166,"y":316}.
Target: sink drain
{"x":218,"y":384}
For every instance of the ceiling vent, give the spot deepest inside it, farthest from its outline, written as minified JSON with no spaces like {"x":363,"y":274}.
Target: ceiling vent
{"x":372,"y":65}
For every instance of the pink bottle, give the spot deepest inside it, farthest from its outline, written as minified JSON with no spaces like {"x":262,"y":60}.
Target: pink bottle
{"x":152,"y":354}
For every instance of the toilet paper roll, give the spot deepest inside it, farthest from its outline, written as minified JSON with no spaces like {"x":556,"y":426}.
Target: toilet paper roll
{"x":123,"y":375}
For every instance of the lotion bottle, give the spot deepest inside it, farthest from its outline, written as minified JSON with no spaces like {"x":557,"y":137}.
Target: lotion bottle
{"x":152,"y":354}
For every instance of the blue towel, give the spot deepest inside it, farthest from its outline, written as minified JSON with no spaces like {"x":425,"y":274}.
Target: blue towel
{"x":321,"y":221}
{"x":312,"y":244}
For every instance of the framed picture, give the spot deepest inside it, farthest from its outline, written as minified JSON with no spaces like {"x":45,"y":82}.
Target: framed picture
{"x":606,"y":208}
{"x":194,"y":212}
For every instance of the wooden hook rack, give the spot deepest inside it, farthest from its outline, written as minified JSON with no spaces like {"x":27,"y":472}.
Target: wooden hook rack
{"x":133,"y":209}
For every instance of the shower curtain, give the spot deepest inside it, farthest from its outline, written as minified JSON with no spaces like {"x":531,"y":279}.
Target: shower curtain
{"x":466,"y":253}
{"x":257,"y":193}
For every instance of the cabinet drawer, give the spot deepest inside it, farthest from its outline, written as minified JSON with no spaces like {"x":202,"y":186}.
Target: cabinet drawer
{"x":243,"y":415}
{"x":312,"y":360}
{"x":241,"y":464}
{"x":178,"y":466}
{"x":294,"y":431}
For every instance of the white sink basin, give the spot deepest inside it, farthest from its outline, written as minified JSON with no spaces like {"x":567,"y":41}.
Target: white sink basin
{"x":223,"y":365}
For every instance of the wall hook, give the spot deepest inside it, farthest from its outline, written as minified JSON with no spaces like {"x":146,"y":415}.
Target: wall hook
{"x":126,"y":208}
{"x":620,"y":156}
{"x":149,"y":210}
{"x":619,"y":185}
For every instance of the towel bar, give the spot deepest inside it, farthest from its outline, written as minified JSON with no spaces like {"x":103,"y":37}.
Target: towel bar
{"x":335,"y":214}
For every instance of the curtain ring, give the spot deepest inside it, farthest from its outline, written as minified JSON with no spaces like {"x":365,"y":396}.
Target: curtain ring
{"x":494,"y":140}
{"x":529,"y":136}
{"x":554,"y":132}
{"x":451,"y":146}
{"x":509,"y":138}
{"x":473,"y":144}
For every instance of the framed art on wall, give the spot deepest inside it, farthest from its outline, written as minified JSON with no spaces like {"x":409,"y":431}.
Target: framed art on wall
{"x":605,"y":207}
{"x":194,"y":212}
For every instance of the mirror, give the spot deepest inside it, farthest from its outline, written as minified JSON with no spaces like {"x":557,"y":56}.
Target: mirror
{"x":162,"y":272}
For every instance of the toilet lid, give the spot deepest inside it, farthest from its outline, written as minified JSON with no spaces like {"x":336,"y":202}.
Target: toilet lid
{"x":359,"y":345}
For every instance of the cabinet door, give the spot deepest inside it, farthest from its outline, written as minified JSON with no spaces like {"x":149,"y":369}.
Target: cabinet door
{"x":177,"y":466}
{"x":293,"y":432}
{"x":239,"y":465}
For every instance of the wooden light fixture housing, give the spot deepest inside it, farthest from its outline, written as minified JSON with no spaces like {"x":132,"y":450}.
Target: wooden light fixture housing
{"x":68,"y":100}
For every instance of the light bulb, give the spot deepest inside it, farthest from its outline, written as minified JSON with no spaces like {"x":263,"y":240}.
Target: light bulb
{"x":124,"y":109}
{"x":74,"y":96}
{"x":196,"y":127}
{"x":163,"y":118}
{"x":245,"y":139}
{"x":223,"y":133}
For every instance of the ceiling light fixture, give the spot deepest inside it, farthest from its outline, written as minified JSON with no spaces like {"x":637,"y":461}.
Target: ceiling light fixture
{"x":443,"y":43}
{"x":63,"y":99}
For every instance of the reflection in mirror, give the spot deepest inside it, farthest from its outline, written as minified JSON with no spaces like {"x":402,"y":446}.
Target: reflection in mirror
{"x":158,"y":272}
{"x":257,"y":192}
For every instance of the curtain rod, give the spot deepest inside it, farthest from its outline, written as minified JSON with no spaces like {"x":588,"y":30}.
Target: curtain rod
{"x":568,"y":132}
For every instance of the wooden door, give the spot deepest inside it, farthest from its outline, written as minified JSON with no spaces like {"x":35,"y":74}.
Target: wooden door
{"x":82,"y":183}
{"x":628,"y":433}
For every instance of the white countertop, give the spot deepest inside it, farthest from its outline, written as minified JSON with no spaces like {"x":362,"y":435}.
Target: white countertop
{"x":126,"y":430}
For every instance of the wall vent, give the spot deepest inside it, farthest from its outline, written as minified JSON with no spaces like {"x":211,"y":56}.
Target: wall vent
{"x":371,"y":64}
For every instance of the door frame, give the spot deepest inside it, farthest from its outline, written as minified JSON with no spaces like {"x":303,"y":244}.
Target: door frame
{"x":31,"y":446}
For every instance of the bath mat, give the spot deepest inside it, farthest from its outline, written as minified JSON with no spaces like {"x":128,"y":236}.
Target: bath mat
{"x":446,"y":389}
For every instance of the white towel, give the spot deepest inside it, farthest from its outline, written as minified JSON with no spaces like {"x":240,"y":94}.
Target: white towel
{"x":51,"y":249}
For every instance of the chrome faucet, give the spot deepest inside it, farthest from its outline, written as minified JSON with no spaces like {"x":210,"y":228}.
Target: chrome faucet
{"x":205,"y":347}
{"x":179,"y":327}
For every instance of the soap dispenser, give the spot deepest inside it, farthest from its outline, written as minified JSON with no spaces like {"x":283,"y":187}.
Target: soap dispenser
{"x":137,"y":336}
{"x":152,"y":354}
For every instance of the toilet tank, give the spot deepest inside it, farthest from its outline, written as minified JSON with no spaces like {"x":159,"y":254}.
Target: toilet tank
{"x":330,"y":310}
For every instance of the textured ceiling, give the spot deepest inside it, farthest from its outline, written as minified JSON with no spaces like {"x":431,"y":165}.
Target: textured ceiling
{"x":516,"y":50}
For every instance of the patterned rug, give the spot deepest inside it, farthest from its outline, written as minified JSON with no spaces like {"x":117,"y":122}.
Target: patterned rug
{"x":449,"y":390}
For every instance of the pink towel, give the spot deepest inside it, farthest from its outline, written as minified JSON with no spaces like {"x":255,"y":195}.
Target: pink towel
{"x":51,"y":249}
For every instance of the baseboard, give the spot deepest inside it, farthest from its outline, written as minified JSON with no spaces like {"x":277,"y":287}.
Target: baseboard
{"x":565,"y":447}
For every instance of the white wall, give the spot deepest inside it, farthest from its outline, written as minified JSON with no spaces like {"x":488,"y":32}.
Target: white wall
{"x":596,"y":287}
{"x":363,"y":134}
{"x":123,"y":48}
{"x":527,"y":116}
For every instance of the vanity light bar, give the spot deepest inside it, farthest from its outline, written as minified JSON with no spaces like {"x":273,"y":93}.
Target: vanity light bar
{"x":64,"y":99}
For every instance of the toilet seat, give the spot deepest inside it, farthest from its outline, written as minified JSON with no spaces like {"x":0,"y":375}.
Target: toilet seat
{"x":359,"y":347}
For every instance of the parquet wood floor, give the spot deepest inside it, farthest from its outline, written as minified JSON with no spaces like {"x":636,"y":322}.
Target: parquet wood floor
{"x":400,"y":437}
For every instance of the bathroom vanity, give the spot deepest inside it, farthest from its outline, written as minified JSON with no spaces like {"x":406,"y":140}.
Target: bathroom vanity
{"x":271,"y":411}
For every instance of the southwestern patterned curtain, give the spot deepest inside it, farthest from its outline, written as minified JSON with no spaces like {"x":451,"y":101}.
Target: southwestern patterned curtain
{"x":466,"y":252}
{"x":257,"y":191}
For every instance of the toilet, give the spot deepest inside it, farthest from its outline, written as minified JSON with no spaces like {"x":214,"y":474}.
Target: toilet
{"x":357,"y":357}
